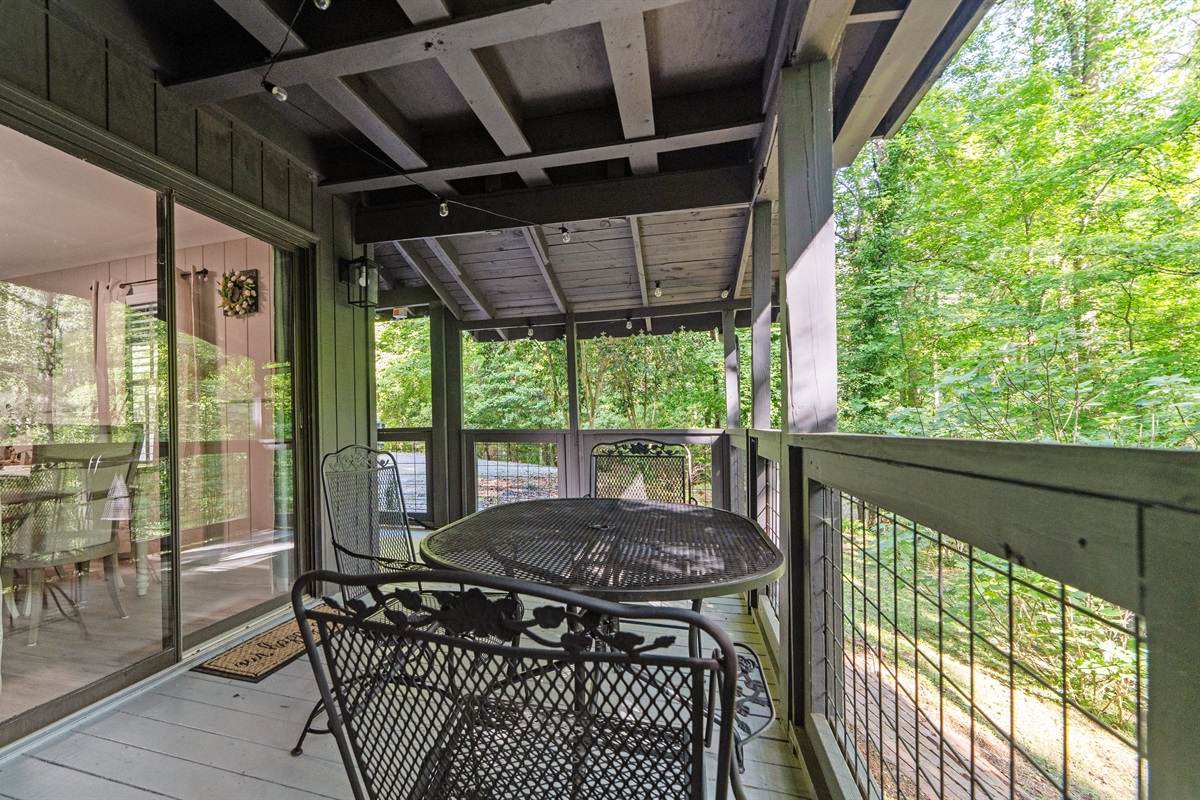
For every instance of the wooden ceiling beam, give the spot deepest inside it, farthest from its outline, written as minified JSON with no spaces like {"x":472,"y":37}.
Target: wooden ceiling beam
{"x":608,"y":315}
{"x":367,"y":109}
{"x":642,"y":194}
{"x":639,"y":257}
{"x":446,"y":253}
{"x":642,"y":148}
{"x":261,"y":22}
{"x":410,"y":254}
{"x":471,"y":32}
{"x":423,"y":12}
{"x":629,"y":63}
{"x":915,"y":34}
{"x":535,"y":237}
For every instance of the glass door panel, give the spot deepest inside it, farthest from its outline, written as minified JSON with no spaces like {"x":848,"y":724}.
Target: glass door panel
{"x":235,"y":421}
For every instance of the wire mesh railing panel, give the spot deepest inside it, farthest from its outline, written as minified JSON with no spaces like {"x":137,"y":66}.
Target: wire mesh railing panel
{"x":770,"y":520}
{"x":506,"y":472}
{"x":413,"y":466}
{"x":739,"y":500}
{"x":951,"y":673}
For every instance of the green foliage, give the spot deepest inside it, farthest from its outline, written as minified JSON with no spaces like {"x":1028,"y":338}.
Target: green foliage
{"x":1019,"y":262}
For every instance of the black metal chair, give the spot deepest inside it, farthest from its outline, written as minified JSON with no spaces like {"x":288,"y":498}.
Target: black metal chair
{"x":642,"y":469}
{"x":462,"y":694}
{"x":369,"y":525}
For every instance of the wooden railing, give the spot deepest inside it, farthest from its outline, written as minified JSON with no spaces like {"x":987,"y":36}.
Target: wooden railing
{"x":1104,"y":537}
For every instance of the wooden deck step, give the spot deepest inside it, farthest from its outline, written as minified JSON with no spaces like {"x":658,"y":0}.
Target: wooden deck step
{"x":200,"y":736}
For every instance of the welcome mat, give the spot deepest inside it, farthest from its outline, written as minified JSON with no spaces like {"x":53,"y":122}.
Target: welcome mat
{"x":265,"y":654}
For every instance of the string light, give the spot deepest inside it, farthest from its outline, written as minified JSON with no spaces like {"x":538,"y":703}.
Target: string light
{"x":279,"y":92}
{"x":566,"y":234}
{"x":322,"y":5}
{"x":529,"y":332}
{"x":628,"y":324}
{"x":444,"y":209}
{"x":725,"y":292}
{"x":658,"y":288}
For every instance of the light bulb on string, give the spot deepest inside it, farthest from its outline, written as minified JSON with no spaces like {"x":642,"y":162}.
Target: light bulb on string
{"x":628,"y":324}
{"x":278,"y":92}
{"x":658,"y":288}
{"x":322,"y":5}
{"x":529,"y":332}
{"x":566,"y":234}
{"x":725,"y":293}
{"x":444,"y":209}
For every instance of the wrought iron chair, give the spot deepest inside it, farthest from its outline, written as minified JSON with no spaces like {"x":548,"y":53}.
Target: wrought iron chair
{"x":75,"y":498}
{"x":459,"y":693}
{"x":642,"y":469}
{"x":369,"y":525}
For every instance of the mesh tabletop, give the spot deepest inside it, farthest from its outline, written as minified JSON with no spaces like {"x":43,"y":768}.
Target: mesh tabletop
{"x":615,"y":549}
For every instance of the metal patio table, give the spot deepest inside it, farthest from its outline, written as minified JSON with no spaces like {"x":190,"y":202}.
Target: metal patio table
{"x":613,"y":549}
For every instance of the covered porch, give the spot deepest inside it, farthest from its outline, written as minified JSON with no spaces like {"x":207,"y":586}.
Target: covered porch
{"x":582,"y":168}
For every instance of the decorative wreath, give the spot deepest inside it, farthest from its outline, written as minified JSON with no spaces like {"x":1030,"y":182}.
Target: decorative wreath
{"x":239,"y":293}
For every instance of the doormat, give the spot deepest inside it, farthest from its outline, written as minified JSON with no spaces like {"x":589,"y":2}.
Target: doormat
{"x":265,"y":654}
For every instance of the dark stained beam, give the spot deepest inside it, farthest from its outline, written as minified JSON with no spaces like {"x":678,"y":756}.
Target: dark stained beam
{"x":367,"y":109}
{"x":472,"y":32}
{"x":422,"y":12}
{"x":261,"y":22}
{"x":629,"y":63}
{"x":446,"y":253}
{"x":414,"y":259}
{"x":405,"y":296}
{"x":634,"y":150}
{"x":540,"y":248}
{"x":643,"y":194}
{"x":908,"y":46}
{"x":610,"y":315}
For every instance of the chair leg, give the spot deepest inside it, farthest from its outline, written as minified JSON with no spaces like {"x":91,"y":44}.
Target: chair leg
{"x":112,"y":572}
{"x":735,"y":781}
{"x":308,"y":727}
{"x":36,"y":598}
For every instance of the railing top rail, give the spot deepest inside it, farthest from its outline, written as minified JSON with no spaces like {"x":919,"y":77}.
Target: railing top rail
{"x":403,"y":434}
{"x":1168,"y":478}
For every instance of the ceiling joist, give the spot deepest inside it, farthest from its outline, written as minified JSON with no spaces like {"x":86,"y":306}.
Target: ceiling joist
{"x":471,"y":32}
{"x":365,"y":108}
{"x":535,"y":237}
{"x":410,"y":254}
{"x":445,"y":252}
{"x":629,"y":63}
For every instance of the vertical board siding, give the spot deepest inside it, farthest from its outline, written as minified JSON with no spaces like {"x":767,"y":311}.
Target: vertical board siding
{"x":214,"y":150}
{"x":176,"y":134}
{"x":275,"y":184}
{"x":247,"y":167}
{"x":77,"y":73}
{"x":131,"y":103}
{"x":300,"y":197}
{"x":23,"y":43}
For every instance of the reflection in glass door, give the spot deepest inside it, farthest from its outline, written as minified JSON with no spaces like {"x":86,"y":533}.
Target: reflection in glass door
{"x":233,"y":318}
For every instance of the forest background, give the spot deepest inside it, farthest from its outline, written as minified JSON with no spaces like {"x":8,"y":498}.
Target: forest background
{"x":1021,"y":261}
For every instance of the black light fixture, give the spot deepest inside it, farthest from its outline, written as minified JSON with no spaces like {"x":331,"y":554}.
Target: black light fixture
{"x":361,"y":276}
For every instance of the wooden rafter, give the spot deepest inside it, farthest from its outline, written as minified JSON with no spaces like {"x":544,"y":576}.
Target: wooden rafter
{"x":470,"y":32}
{"x":410,"y":254}
{"x":540,"y":248}
{"x":446,"y":253}
{"x":916,"y":32}
{"x":639,"y":257}
{"x":609,"y":315}
{"x":261,"y":22}
{"x":639,"y":149}
{"x":422,"y":12}
{"x":628,"y":61}
{"x":367,"y":109}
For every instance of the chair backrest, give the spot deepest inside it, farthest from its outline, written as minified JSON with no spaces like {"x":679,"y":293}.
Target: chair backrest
{"x":80,"y":492}
{"x":642,"y":469}
{"x":525,"y":693}
{"x":367,"y":514}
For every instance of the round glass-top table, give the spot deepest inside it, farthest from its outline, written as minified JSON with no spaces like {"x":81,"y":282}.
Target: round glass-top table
{"x":621,"y":550}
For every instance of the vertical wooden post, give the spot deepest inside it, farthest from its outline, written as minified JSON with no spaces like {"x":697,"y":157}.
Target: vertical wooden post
{"x":808,"y":318}
{"x":760,"y":309}
{"x":571,"y":484}
{"x":445,"y":461}
{"x":733,"y":391}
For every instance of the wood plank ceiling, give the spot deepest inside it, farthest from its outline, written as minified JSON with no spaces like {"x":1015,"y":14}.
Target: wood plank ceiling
{"x":643,"y":128}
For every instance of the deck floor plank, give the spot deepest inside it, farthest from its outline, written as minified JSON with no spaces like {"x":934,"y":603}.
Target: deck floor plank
{"x":200,"y":736}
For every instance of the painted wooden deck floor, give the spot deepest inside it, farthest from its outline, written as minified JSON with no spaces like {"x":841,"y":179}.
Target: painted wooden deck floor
{"x":196,"y":737}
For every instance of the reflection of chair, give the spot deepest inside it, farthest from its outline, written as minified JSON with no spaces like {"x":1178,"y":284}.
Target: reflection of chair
{"x":434,"y":697}
{"x":369,"y":524}
{"x":642,"y":469}
{"x":77,"y":495}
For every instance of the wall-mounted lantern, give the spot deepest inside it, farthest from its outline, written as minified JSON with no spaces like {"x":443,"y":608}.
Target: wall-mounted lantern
{"x":361,"y":276}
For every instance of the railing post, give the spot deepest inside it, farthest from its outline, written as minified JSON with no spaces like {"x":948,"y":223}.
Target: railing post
{"x":573,"y":480}
{"x":445,"y":352}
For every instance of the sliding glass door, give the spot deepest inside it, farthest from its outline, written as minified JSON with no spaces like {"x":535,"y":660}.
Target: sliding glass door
{"x":236,"y":449}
